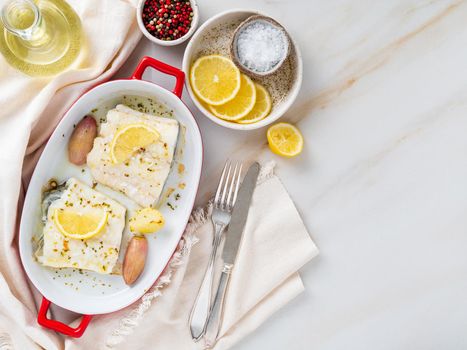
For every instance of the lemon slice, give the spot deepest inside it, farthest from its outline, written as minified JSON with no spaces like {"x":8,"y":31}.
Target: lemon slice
{"x":77,"y":225}
{"x":147,"y":220}
{"x":215,"y":79}
{"x":130,"y":139}
{"x":285,"y":139}
{"x":261,"y":108}
{"x":241,"y":105}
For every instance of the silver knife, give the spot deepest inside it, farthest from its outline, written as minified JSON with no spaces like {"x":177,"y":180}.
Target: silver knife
{"x":229,"y":253}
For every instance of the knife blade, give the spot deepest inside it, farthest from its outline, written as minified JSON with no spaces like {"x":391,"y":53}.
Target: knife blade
{"x":240,"y":215}
{"x":229,"y":253}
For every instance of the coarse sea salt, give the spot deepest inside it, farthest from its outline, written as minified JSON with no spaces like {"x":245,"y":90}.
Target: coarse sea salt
{"x":261,"y":46}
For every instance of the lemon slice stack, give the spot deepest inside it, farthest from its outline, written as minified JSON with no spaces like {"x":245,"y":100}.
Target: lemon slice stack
{"x":229,"y":94}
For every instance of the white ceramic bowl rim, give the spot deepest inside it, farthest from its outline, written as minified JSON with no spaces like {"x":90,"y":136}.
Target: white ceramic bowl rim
{"x":293,"y":93}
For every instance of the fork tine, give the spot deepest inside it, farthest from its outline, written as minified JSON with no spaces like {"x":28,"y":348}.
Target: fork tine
{"x":219,"y":186}
{"x":232,"y":183}
{"x":237,"y":184}
{"x":224,"y":190}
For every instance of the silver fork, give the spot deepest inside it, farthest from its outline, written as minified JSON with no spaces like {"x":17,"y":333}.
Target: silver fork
{"x":224,"y":201}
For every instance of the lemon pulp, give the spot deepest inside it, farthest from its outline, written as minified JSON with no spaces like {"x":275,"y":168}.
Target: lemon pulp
{"x":285,"y":140}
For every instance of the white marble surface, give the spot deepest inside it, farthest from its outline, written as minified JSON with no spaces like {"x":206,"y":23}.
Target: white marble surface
{"x":382,"y":182}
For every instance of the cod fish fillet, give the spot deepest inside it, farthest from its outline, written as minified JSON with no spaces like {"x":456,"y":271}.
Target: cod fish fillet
{"x":99,"y":253}
{"x":142,"y":177}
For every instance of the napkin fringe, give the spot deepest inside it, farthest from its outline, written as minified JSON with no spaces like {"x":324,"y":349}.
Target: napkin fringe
{"x":266,"y":171}
{"x":198,"y":218}
{"x":5,"y":342}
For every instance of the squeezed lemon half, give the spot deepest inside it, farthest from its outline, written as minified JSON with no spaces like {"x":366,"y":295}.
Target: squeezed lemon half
{"x":146,"y":220}
{"x":215,"y":79}
{"x":77,"y":225}
{"x":285,"y":140}
{"x":130,"y":139}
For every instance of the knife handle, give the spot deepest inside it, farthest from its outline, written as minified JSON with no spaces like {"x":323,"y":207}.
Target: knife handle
{"x":215,"y":317}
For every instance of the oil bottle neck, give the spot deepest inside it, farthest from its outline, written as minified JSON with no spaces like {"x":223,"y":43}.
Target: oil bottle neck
{"x":22,"y":18}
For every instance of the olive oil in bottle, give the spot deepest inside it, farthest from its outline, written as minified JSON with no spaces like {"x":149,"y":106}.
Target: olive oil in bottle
{"x":40,"y":37}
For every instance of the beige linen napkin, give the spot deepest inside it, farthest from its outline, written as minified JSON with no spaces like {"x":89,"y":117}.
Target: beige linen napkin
{"x":265,"y":278}
{"x":30,"y":108}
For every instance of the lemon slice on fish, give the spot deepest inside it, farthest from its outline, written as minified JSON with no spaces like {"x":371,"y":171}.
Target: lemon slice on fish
{"x":130,"y":139}
{"x":78,"y":225}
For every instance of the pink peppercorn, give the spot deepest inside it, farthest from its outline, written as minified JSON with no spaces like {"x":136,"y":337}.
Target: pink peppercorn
{"x":173,"y":18}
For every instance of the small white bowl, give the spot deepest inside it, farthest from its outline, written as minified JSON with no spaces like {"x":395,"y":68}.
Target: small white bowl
{"x":192,"y":52}
{"x":234,"y":50}
{"x":194,"y":25}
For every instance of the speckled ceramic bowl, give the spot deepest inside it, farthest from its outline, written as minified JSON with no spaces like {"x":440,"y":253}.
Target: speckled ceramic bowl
{"x":214,"y":37}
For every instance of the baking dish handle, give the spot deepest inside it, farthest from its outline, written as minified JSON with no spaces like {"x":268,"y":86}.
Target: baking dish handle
{"x":164,"y":68}
{"x":58,"y":326}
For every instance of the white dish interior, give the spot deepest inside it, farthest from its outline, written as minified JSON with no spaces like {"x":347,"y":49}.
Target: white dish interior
{"x":88,"y":292}
{"x":200,"y":45}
